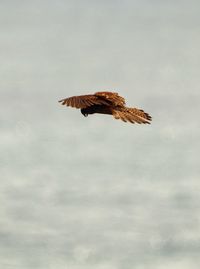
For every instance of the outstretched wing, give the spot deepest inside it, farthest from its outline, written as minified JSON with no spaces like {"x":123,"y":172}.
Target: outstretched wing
{"x":112,"y":97}
{"x":83,"y":101}
{"x":132,"y":115}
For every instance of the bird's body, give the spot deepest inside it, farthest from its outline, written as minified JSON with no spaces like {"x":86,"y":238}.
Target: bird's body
{"x":101,"y":109}
{"x":107,"y":103}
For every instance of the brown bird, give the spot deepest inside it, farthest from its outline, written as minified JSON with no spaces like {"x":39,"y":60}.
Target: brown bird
{"x":107,"y":103}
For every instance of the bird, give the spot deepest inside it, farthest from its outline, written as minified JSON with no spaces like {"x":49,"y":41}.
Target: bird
{"x":105,"y":102}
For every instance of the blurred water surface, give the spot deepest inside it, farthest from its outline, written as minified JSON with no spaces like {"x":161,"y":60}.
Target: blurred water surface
{"x":95,"y":192}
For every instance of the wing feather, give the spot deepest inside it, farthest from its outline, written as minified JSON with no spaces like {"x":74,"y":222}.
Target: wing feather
{"x":83,"y":101}
{"x":112,"y":97}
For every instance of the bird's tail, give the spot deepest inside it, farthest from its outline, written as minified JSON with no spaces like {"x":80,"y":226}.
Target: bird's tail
{"x":133,"y":115}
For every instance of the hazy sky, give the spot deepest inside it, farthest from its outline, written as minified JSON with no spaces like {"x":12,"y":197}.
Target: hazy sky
{"x":96,"y":192}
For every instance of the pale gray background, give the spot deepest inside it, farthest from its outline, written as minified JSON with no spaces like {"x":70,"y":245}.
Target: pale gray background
{"x":95,"y":192}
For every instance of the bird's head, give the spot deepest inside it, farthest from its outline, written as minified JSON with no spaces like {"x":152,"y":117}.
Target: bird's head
{"x":83,"y":111}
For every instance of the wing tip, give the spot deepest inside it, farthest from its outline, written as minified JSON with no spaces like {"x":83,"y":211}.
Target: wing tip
{"x":63,"y":102}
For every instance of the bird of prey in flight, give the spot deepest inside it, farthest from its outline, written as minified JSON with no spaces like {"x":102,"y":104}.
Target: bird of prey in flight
{"x":107,"y":103}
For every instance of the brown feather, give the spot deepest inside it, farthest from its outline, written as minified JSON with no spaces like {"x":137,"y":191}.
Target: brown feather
{"x":112,"y":97}
{"x":82,"y":101}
